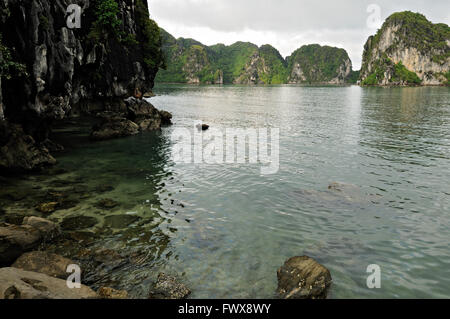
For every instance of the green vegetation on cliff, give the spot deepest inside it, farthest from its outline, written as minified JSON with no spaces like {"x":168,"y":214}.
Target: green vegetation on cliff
{"x":315,"y":63}
{"x":189,"y":61}
{"x":8,"y":66}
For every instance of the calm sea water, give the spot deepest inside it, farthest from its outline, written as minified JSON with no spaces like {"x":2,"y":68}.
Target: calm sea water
{"x":225,"y":229}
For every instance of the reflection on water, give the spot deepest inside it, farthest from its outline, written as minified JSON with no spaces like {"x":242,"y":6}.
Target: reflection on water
{"x":225,"y":229}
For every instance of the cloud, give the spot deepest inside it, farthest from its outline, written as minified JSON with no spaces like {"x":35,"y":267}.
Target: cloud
{"x":286,"y":24}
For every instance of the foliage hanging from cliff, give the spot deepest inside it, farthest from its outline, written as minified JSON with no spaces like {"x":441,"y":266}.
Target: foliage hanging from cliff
{"x":152,"y":42}
{"x":107,"y":22}
{"x":8,"y":67}
{"x":398,"y":73}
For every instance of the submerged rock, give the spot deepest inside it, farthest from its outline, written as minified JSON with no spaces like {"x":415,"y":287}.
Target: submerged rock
{"x":110,"y":293}
{"x":47,"y":208}
{"x":78,"y":222}
{"x":168,"y":287}
{"x":120,"y":221}
{"x":107,"y":203}
{"x":100,"y":189}
{"x":45,"y":263}
{"x":303,"y":278}
{"x":20,"y":284}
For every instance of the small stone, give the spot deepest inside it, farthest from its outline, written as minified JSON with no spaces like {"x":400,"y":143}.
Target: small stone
{"x":303,"y":278}
{"x":47,"y":208}
{"x":110,"y":293}
{"x":202,"y":127}
{"x":45,"y":263}
{"x":168,"y":287}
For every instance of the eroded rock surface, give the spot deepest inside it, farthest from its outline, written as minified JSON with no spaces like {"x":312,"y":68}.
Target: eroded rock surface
{"x":167,"y":287}
{"x":303,"y":278}
{"x":20,"y":284}
{"x":45,"y":263}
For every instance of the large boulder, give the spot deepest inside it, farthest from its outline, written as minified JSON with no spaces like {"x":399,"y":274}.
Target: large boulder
{"x":115,"y":127}
{"x":19,"y":151}
{"x":18,"y":239}
{"x":167,"y":287}
{"x":15,"y":240}
{"x":20,"y":284}
{"x":45,"y":263}
{"x":303,"y":278}
{"x":143,"y":114}
{"x":48,"y":229}
{"x":166,"y":117}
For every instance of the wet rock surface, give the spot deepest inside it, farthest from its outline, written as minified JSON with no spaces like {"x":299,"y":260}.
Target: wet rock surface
{"x":167,"y":287}
{"x":15,"y":240}
{"x":78,"y":222}
{"x":20,"y":284}
{"x":45,"y":263}
{"x":19,"y":151}
{"x":303,"y":278}
{"x":110,"y":293}
{"x":114,"y":128}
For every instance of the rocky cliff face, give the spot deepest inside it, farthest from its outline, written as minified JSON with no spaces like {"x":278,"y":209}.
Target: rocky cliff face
{"x":319,"y":64}
{"x":115,"y":54}
{"x":408,"y":49}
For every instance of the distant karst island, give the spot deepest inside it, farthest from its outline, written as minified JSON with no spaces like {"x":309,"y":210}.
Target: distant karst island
{"x":407,"y":50}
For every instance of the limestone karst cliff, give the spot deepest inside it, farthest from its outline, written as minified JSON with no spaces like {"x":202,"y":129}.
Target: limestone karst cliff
{"x":407,"y":50}
{"x":319,"y":64}
{"x":189,"y":61}
{"x":49,"y":71}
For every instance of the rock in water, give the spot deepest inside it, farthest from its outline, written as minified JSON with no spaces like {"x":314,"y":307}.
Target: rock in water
{"x":45,"y":263}
{"x":20,"y":284}
{"x":303,"y":278}
{"x":110,"y":293}
{"x":19,"y":151}
{"x":203,"y":127}
{"x":48,"y":229}
{"x":78,"y":222}
{"x":114,"y":128}
{"x":18,"y":239}
{"x":15,"y":240}
{"x":167,"y":287}
{"x":166,"y":117}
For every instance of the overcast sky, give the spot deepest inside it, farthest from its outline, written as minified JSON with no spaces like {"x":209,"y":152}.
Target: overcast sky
{"x":287,"y":24}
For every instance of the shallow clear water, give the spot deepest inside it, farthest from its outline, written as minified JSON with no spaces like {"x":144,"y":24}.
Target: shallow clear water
{"x":225,"y":229}
{"x":392,"y":145}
